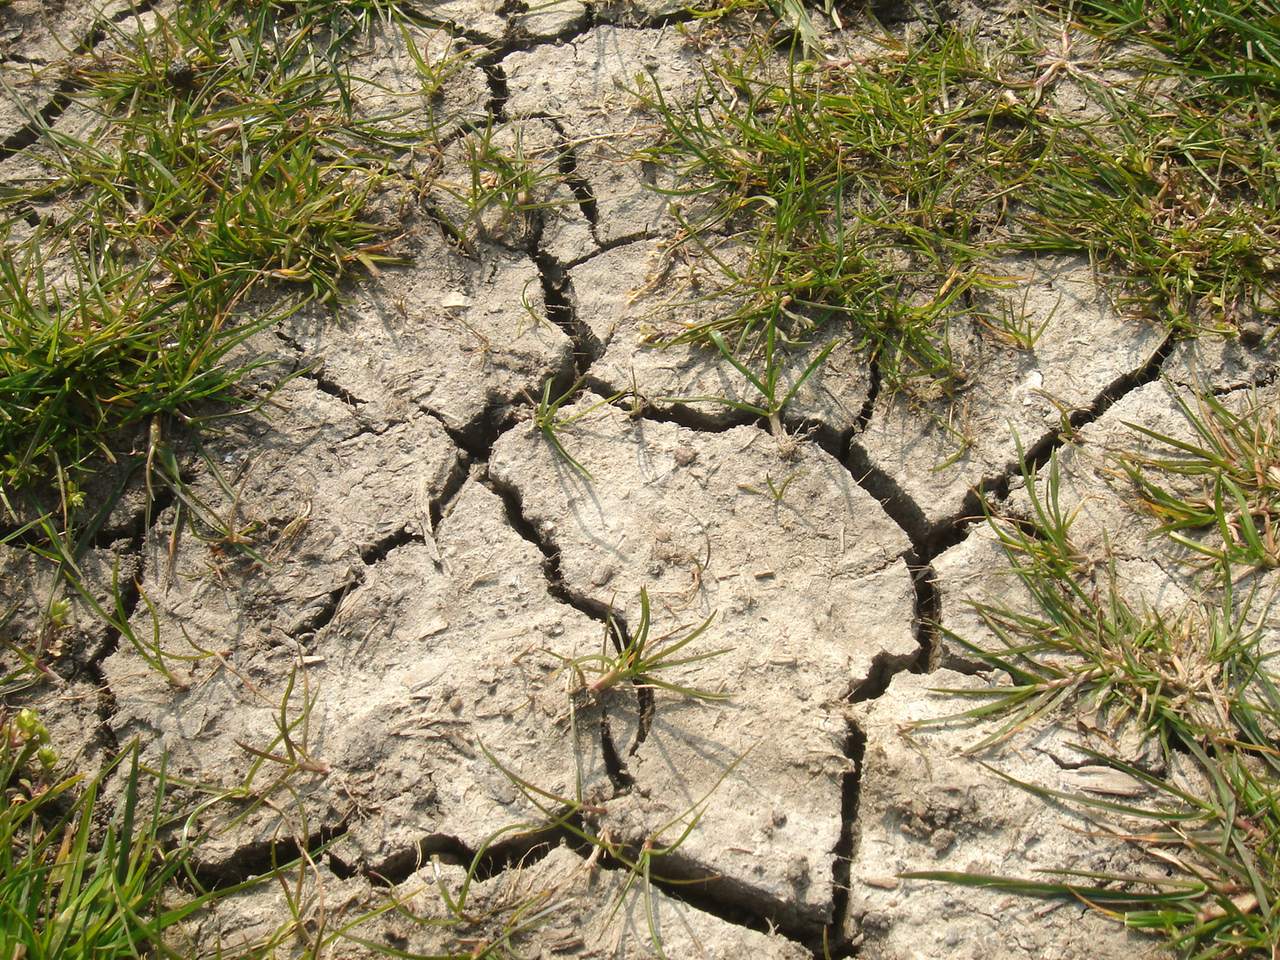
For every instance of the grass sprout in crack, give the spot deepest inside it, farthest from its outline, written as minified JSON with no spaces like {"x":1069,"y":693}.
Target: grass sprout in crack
{"x":636,"y":662}
{"x":772,"y":402}
{"x":497,"y":178}
{"x":546,"y":417}
{"x":1083,"y":640}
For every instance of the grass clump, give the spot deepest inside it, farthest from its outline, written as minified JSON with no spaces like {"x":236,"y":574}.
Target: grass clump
{"x":1084,"y":640}
{"x":59,"y":896}
{"x":227,"y":162}
{"x":80,"y":367}
{"x":820,"y":205}
{"x":232,"y":148}
{"x":1200,"y":680}
{"x":874,"y":193}
{"x":638,"y":663}
{"x":1233,"y":464}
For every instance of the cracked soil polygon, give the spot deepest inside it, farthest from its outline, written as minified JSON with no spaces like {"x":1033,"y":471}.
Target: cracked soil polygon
{"x":935,"y":451}
{"x":809,"y":593}
{"x":463,"y":339}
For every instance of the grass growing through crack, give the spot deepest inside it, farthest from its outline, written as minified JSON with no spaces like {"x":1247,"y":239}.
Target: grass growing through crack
{"x":640,"y":857}
{"x":502,"y":181}
{"x":1084,"y":641}
{"x":57,"y":898}
{"x":637,"y":662}
{"x":581,"y":818}
{"x":1233,"y":464}
{"x":1199,"y":679}
{"x":871,"y":194}
{"x":772,"y":402}
{"x":547,"y":418}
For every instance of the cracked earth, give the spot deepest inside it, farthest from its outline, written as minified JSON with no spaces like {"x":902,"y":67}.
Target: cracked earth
{"x":429,"y":561}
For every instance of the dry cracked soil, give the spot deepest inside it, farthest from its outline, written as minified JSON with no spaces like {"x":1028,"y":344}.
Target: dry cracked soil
{"x":427,"y":562}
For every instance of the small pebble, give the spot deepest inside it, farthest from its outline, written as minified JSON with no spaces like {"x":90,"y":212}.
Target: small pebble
{"x":1251,"y":333}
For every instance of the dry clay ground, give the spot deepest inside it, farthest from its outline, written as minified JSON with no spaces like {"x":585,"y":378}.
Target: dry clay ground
{"x":429,"y":560}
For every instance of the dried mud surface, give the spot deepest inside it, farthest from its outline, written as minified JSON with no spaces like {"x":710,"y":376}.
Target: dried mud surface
{"x":427,"y":561}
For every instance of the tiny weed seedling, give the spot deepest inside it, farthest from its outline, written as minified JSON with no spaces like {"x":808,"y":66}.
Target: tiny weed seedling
{"x":503,"y":179}
{"x":642,"y":862}
{"x":777,"y":492}
{"x":1018,"y":326}
{"x":637,"y":663}
{"x":767,"y":384}
{"x":436,"y":73}
{"x":546,"y":417}
{"x":292,"y":736}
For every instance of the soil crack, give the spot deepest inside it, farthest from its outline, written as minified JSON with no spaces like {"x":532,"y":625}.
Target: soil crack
{"x":606,"y":246}
{"x":262,"y":857}
{"x":332,"y":387}
{"x":568,"y":165}
{"x":37,"y":127}
{"x":833,"y":942}
{"x":1038,"y":455}
{"x":497,"y":80}
{"x":556,"y":293}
